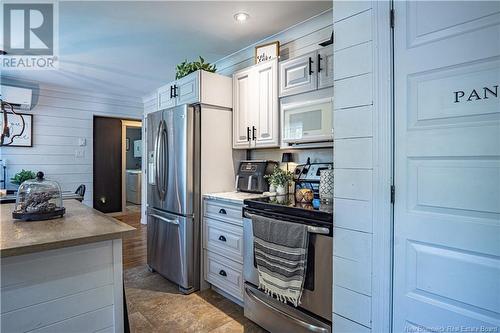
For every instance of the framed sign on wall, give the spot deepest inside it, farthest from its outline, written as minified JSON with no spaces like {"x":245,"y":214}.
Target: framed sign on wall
{"x":267,"y":51}
{"x":19,"y":136}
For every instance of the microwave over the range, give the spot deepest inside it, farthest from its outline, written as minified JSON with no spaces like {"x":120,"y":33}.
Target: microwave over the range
{"x":307,"y":122}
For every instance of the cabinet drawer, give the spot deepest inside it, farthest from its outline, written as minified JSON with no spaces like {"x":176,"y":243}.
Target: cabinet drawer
{"x":223,"y":211}
{"x":225,"y":274}
{"x":224,"y":238}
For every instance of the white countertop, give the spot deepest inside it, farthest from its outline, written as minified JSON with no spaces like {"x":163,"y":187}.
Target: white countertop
{"x":235,"y":197}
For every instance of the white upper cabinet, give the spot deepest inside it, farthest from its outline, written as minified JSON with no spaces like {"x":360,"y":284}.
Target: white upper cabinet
{"x":166,"y":97}
{"x":187,"y":89}
{"x":241,"y":109}
{"x":325,"y":67}
{"x":298,"y":75}
{"x":255,"y":107}
{"x":197,"y":87}
{"x":266,"y":111}
{"x":307,"y":73}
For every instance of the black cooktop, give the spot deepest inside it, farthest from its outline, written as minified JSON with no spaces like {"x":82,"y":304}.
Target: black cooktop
{"x":287,"y":206}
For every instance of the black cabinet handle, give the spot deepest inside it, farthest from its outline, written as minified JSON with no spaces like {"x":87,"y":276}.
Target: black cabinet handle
{"x":253,"y":133}
{"x":310,"y":66}
{"x":248,"y":133}
{"x":222,"y":211}
{"x":171,"y":91}
{"x":222,"y":238}
{"x":222,"y":272}
{"x":319,"y":62}
{"x":175,"y":90}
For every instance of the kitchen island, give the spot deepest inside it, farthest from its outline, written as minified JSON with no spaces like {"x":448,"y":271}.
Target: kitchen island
{"x":62,"y":275}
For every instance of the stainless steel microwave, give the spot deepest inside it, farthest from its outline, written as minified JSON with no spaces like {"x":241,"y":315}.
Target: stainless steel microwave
{"x":307,"y":122}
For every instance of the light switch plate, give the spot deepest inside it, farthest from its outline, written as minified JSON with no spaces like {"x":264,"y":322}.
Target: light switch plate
{"x":79,"y":153}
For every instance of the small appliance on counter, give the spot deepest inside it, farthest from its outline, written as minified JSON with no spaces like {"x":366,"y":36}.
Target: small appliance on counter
{"x":38,"y":199}
{"x":250,"y":176}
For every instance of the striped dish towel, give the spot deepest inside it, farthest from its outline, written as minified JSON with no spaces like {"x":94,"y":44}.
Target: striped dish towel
{"x":281,"y":256}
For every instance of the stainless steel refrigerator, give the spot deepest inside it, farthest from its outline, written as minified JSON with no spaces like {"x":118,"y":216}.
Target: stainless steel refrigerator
{"x":173,"y":173}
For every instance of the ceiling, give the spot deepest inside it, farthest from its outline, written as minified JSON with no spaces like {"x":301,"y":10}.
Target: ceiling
{"x":132,"y":47}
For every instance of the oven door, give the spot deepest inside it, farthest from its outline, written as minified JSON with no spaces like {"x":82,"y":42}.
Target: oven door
{"x":310,"y":121}
{"x":317,"y":295}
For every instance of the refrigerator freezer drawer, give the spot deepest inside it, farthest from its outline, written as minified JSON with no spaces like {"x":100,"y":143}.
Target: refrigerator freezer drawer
{"x":171,"y":248}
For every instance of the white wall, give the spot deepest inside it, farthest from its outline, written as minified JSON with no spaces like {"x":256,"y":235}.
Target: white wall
{"x":362,"y":208}
{"x":60,"y":118}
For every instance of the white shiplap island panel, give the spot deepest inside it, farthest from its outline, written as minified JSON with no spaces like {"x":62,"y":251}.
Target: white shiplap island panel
{"x":62,"y":118}
{"x":75,"y":289}
{"x":358,"y":194}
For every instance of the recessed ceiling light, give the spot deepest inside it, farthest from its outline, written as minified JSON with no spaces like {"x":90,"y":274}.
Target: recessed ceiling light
{"x":241,"y":17}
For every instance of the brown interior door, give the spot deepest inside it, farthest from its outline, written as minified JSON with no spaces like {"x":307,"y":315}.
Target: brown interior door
{"x":107,"y":164}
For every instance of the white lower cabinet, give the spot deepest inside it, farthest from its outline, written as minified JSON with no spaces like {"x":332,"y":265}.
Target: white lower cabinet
{"x":223,"y":246}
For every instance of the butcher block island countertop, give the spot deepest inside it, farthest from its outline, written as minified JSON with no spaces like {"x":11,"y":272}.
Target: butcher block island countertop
{"x":80,"y":225}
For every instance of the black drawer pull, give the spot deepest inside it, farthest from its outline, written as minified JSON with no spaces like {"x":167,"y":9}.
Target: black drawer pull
{"x":222,"y":272}
{"x":222,"y":211}
{"x":222,"y":238}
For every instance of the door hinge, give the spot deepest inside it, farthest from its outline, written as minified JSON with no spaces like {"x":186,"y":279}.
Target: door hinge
{"x":393,"y":194}
{"x":392,"y":18}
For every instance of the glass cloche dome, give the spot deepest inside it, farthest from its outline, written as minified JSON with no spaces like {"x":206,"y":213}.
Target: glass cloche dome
{"x":38,"y":199}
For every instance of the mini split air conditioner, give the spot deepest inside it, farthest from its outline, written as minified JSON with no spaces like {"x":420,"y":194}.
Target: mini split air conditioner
{"x":19,"y":98}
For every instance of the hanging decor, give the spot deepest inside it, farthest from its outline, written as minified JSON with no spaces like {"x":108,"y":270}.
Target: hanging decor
{"x":17,"y":128}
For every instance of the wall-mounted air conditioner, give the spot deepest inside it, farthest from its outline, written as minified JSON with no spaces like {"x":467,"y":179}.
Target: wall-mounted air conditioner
{"x":19,"y":98}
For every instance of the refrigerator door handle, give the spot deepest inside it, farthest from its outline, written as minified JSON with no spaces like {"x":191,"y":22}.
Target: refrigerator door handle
{"x":164,"y":219}
{"x":166,"y":158}
{"x":159,"y":161}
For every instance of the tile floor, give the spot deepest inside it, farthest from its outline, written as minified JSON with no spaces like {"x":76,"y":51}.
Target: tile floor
{"x":156,"y":305}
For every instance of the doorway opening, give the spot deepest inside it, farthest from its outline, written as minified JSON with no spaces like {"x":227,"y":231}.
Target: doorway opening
{"x":132,"y":166}
{"x":117,"y":165}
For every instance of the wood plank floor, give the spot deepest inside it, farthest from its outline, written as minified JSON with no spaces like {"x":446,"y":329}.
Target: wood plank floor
{"x":134,"y":245}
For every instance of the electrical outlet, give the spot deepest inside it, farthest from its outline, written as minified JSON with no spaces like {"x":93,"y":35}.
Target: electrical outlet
{"x":82,"y":142}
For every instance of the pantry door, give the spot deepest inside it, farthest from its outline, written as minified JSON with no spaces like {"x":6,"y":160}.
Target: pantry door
{"x":447,"y":166}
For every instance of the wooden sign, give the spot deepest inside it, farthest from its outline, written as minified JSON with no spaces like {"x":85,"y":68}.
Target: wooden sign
{"x":18,"y":137}
{"x":267,"y":51}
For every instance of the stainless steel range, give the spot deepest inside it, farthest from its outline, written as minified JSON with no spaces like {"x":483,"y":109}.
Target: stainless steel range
{"x":314,"y":314}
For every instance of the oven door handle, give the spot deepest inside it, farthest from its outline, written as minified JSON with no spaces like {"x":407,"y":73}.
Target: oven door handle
{"x":318,"y":230}
{"x":308,"y":326}
{"x":310,"y":229}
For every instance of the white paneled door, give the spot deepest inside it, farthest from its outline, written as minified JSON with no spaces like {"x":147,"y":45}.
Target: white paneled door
{"x":447,"y":166}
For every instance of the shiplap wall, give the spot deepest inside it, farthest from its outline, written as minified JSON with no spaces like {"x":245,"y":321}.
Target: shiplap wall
{"x":362,"y":167}
{"x":60,"y":118}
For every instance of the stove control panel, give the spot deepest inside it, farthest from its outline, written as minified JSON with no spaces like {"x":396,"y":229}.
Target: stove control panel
{"x":310,"y":172}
